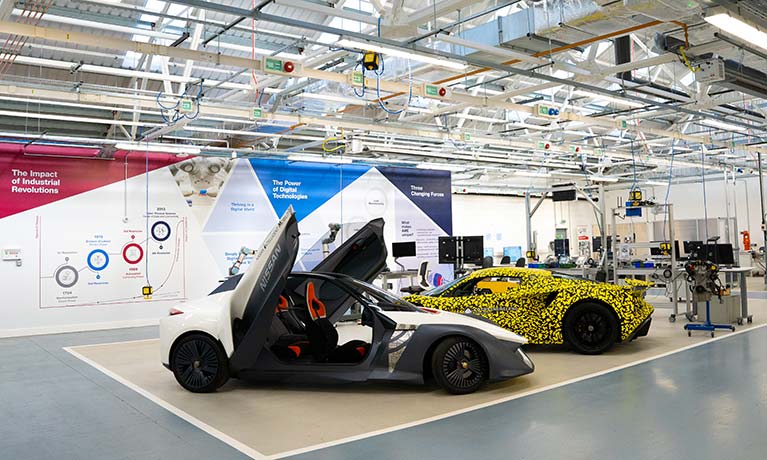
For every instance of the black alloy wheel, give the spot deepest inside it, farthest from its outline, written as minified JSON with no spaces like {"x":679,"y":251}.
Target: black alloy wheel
{"x":591,"y":328}
{"x":199,"y":363}
{"x":459,"y":365}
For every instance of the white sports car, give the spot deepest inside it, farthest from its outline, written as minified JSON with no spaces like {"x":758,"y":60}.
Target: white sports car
{"x":325,"y":326}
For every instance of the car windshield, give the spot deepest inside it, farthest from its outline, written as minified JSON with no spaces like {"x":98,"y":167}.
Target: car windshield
{"x":440,"y":289}
{"x":382,"y":299}
{"x":565,"y":276}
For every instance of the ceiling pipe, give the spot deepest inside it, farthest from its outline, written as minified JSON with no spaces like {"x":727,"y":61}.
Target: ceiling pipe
{"x":75,"y":37}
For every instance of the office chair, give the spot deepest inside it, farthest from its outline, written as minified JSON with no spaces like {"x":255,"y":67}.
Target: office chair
{"x":505,"y":260}
{"x":487,"y":262}
{"x":521,"y":262}
{"x":423,"y":282}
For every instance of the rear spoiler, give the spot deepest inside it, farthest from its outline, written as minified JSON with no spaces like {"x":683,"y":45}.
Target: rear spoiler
{"x":638,"y":287}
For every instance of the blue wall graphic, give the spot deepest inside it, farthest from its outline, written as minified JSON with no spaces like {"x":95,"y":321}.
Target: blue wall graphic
{"x":415,"y":203}
{"x":306,"y":186}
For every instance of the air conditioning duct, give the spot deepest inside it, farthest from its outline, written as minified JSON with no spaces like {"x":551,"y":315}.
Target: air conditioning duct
{"x":536,"y":29}
{"x":735,"y":76}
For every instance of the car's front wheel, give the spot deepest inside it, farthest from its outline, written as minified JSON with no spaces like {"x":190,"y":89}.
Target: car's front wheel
{"x":591,"y":328}
{"x":459,"y":365}
{"x":199,"y":363}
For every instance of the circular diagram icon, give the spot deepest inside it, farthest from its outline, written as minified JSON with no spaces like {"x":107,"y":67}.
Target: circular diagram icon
{"x":66,"y":276}
{"x":98,"y":260}
{"x":133,"y":253}
{"x":160,"y":231}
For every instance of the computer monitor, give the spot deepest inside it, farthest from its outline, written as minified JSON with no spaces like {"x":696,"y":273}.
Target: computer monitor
{"x":447,"y":249}
{"x":403,"y":249}
{"x":725,"y":254}
{"x":562,"y":248}
{"x":596,"y":244}
{"x":692,"y":246}
{"x":512,"y":252}
{"x":719,"y":253}
{"x":473,"y":249}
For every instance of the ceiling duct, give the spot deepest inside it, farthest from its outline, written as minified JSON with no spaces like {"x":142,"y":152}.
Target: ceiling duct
{"x":664,"y":9}
{"x":622,"y":46}
{"x":530,"y":29}
{"x":733,"y":74}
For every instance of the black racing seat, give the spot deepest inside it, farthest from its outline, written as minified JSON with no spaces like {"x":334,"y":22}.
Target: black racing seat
{"x":292,"y":342}
{"x":286,"y":313}
{"x":323,"y":337}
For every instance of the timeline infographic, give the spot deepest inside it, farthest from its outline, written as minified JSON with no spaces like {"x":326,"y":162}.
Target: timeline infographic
{"x":109,"y":267}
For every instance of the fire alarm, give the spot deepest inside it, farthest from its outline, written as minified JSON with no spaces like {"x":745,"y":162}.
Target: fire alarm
{"x":547,"y":146}
{"x":442,"y":92}
{"x":288,"y":67}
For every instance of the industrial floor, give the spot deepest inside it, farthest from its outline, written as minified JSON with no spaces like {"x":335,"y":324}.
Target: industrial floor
{"x":704,"y":402}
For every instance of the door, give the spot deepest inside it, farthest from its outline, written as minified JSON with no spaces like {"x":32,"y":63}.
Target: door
{"x":258,"y":291}
{"x":362,"y":256}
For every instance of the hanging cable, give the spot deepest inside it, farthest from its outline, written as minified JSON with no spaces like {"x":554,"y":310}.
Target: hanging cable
{"x":687,"y":60}
{"x":177,"y":115}
{"x":146,"y":235}
{"x":256,"y":96}
{"x":378,"y":89}
{"x":703,"y":180}
{"x":668,"y":190}
{"x":362,"y":94}
{"x":634,"y":166}
{"x":337,"y":140}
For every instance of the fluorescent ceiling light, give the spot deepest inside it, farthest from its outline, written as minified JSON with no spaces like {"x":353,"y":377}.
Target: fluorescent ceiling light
{"x":604,"y":97}
{"x":723,"y":125}
{"x":441,"y":167}
{"x":655,"y":182}
{"x":723,"y":19}
{"x":320,"y":159}
{"x":164,"y":148}
{"x":365,"y":46}
{"x":603,"y":179}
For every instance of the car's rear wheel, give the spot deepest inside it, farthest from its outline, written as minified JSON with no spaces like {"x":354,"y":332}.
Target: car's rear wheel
{"x":591,"y":328}
{"x":199,"y":363}
{"x":459,"y":365}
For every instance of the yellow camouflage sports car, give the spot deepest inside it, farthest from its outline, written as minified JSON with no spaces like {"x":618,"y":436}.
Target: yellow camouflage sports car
{"x":548,"y":308}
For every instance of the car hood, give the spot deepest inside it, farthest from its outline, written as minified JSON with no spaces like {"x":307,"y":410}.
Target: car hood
{"x":405,"y":319}
{"x":253,"y":299}
{"x":362,"y":256}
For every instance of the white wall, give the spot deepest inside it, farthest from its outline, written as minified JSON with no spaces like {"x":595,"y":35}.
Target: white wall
{"x":688,"y":202}
{"x":504,"y":216}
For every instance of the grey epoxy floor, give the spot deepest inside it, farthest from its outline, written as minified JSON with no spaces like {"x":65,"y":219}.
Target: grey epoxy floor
{"x":709,"y":402}
{"x":54,"y":406}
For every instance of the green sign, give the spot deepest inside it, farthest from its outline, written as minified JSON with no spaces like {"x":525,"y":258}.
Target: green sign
{"x":541,"y":145}
{"x":257,"y":113}
{"x":357,"y":78}
{"x":432,"y":90}
{"x":186,"y":105}
{"x":624,"y":124}
{"x":543,"y":110}
{"x":467,"y":137}
{"x":274,"y":65}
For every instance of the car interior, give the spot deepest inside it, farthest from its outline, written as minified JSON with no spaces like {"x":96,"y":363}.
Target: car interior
{"x":302,"y":331}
